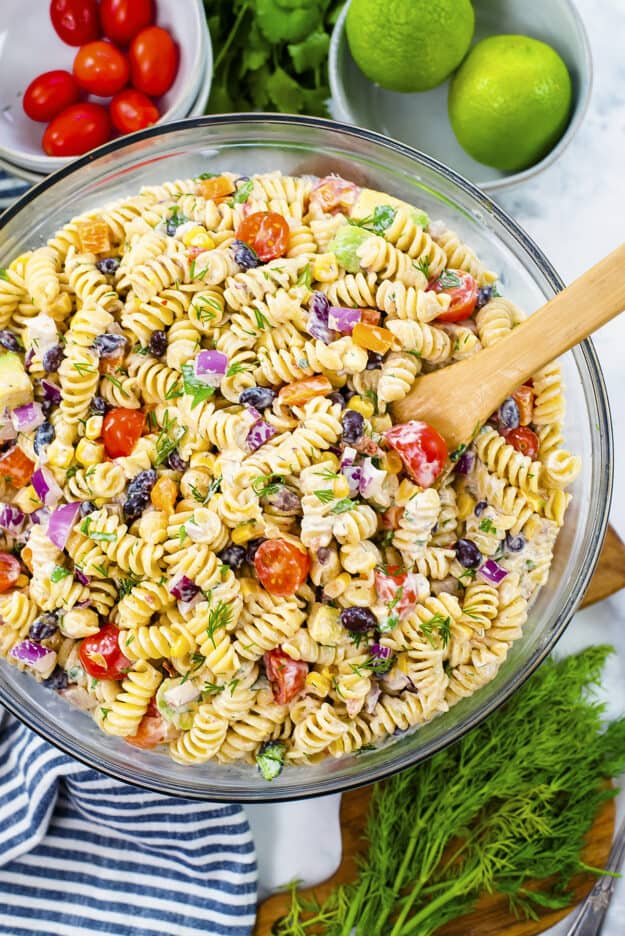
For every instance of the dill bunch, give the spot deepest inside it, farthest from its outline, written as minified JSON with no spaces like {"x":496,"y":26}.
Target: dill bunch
{"x":511,"y":801}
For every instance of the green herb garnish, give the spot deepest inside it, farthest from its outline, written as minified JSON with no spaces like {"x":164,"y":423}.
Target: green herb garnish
{"x":343,"y":505}
{"x":449,"y":280}
{"x":324,"y":496}
{"x":199,"y":391}
{"x":487,"y":526}
{"x":219,"y":616}
{"x":58,"y":573}
{"x":378,"y":222}
{"x":243,"y":193}
{"x":270,"y":759}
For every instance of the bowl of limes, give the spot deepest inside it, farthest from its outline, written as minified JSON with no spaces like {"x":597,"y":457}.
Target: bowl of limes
{"x":495,"y":89}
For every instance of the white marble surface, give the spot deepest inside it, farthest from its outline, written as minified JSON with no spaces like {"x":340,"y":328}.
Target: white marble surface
{"x":575,"y":211}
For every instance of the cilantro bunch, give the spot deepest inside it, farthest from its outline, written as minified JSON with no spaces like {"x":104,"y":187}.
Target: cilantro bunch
{"x":271,"y":54}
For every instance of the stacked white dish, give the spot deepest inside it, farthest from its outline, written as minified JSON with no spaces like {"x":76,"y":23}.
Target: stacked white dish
{"x":29,"y":45}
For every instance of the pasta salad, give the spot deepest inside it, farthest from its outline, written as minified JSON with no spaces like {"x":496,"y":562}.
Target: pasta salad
{"x":215,"y":539}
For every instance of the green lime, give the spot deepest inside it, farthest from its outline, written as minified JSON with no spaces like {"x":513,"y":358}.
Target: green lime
{"x":509,"y":101}
{"x":409,"y":45}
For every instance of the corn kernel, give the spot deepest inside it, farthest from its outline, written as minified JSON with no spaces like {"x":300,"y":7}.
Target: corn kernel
{"x":392,"y":463}
{"x":381,"y":423}
{"x":27,"y":499}
{"x":318,"y":684}
{"x":198,"y":237}
{"x":324,"y":625}
{"x":59,"y":454}
{"x":466,"y":505}
{"x":405,"y":491}
{"x":164,"y":493}
{"x":340,"y":486}
{"x":338,"y":586}
{"x":330,"y":461}
{"x":362,"y":406}
{"x":89,"y":453}
{"x":247,"y":531}
{"x":93,"y":427}
{"x":325,"y":268}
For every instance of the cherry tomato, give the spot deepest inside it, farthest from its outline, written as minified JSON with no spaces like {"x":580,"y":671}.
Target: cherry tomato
{"x":217,"y":187}
{"x":100,"y":68}
{"x":333,"y":194}
{"x":300,"y":391}
{"x":48,"y":94}
{"x":287,"y":676}
{"x":281,"y":567}
{"x":77,"y":129}
{"x":75,"y":21}
{"x":420,"y":447}
{"x":16,"y":468}
{"x":523,"y":440}
{"x":399,"y":591}
{"x":153,"y":61}
{"x":266,"y":232}
{"x":121,"y":430}
{"x":463,"y":291}
{"x":123,"y":19}
{"x":153,"y":730}
{"x":101,"y":656}
{"x":372,"y":337}
{"x":10,"y":571}
{"x":131,"y":110}
{"x":370,"y":317}
{"x":524,"y":399}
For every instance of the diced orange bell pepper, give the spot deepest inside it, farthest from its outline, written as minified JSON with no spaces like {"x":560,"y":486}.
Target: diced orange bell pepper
{"x":372,"y":337}
{"x":300,"y":391}
{"x":164,"y":493}
{"x":16,"y":468}
{"x":524,"y":399}
{"x":370,"y":317}
{"x":94,"y":236}
{"x":217,"y":187}
{"x":389,"y":520}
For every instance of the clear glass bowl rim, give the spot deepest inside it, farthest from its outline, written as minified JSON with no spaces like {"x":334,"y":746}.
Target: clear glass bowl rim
{"x":595,"y":539}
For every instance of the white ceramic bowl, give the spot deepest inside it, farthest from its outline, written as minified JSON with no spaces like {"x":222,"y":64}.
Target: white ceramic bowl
{"x":29,"y":46}
{"x":421,"y":120}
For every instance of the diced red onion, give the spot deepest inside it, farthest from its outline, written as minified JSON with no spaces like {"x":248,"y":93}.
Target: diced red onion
{"x":465,"y":463}
{"x":7,"y":429}
{"x":210,"y":367}
{"x":372,"y":698}
{"x":343,"y":319}
{"x":61,"y":522}
{"x":40,"y":515}
{"x":348,"y":457}
{"x":371,"y":479}
{"x":492,"y":572}
{"x":318,"y":311}
{"x":28,"y":417}
{"x":46,"y":487}
{"x":184,"y":588}
{"x":11,"y":518}
{"x":51,"y":391}
{"x":378,"y":652}
{"x":259,"y":434}
{"x":80,"y":576}
{"x":285,"y":500}
{"x":35,"y":656}
{"x":42,"y":333}
{"x":29,"y":358}
{"x":253,"y":414}
{"x":353,"y":473}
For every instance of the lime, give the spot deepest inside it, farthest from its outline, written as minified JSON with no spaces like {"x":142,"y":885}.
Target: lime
{"x":509,"y":102}
{"x":409,"y":45}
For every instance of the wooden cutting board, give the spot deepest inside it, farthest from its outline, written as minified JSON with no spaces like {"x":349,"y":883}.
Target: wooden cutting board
{"x":491,"y":917}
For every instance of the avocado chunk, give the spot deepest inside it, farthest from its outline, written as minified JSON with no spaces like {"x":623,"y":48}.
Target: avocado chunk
{"x":16,"y":388}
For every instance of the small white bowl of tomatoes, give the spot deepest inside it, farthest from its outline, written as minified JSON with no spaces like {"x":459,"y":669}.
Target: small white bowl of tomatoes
{"x":77,"y":73}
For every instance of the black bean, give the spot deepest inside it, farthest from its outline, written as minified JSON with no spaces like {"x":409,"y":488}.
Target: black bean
{"x":353,"y":426}
{"x":43,"y":436}
{"x":484,"y":295}
{"x":86,"y":508}
{"x":51,"y":359}
{"x":467,"y":553}
{"x":515,"y":543}
{"x":480,"y":507}
{"x":109,"y":345}
{"x":336,"y":397}
{"x":158,"y":343}
{"x":9,"y":341}
{"x":508,"y":414}
{"x":57,"y":680}
{"x":44,"y":626}
{"x":358,"y":620}
{"x":252,"y":548}
{"x":143,"y":482}
{"x":244,"y":256}
{"x":98,"y":406}
{"x":258,"y":397}
{"x":176,"y":462}
{"x":374,"y":360}
{"x":233,"y":556}
{"x":108,"y":265}
{"x":134,"y":506}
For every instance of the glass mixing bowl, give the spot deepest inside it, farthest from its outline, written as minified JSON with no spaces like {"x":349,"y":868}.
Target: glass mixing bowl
{"x":258,"y":143}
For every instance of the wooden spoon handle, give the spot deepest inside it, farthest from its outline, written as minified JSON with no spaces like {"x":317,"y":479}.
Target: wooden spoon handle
{"x":580,"y":309}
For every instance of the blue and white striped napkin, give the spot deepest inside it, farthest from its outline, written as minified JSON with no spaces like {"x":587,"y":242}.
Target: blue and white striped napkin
{"x":10,"y":189}
{"x":84,"y":855}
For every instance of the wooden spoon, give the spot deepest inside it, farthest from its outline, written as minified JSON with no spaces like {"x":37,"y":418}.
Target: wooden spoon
{"x":457,"y":399}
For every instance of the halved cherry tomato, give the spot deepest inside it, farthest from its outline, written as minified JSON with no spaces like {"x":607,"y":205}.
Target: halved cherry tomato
{"x":287,"y":676}
{"x":370,"y":316}
{"x":101,"y":68}
{"x":421,"y":448}
{"x":10,"y":571}
{"x":334,"y":194}
{"x":524,"y":440}
{"x":75,"y":21}
{"x":132,"y":110}
{"x":153,"y":61}
{"x":100,"y":654}
{"x":48,"y":94}
{"x":399,"y":591}
{"x":121,"y":430}
{"x":123,"y":19}
{"x":16,"y":468}
{"x":266,"y":232}
{"x":372,"y":337}
{"x":463,"y":291}
{"x":524,"y":399}
{"x":300,"y":391}
{"x":76,"y":130}
{"x":217,"y":187}
{"x":281,"y":567}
